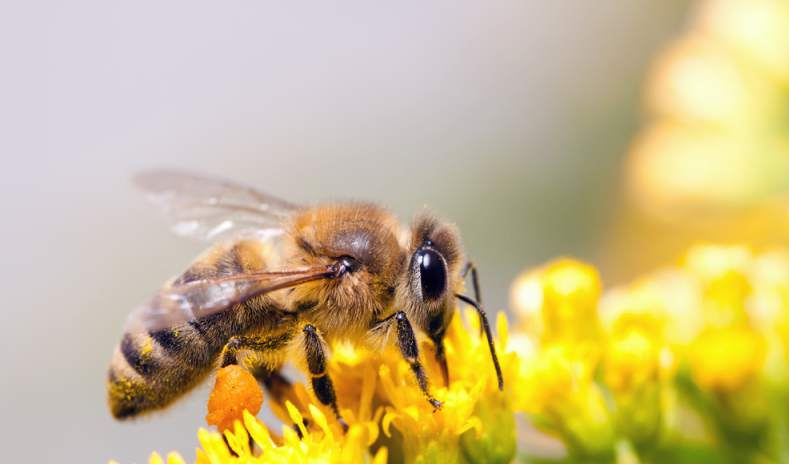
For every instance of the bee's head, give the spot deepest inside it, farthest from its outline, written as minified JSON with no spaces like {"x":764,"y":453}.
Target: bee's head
{"x":433,"y":280}
{"x":432,"y":275}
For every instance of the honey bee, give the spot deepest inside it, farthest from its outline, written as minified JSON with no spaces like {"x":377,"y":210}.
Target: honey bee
{"x":281,"y":280}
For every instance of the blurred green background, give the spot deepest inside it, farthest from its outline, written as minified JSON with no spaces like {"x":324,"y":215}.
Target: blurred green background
{"x":510,"y":118}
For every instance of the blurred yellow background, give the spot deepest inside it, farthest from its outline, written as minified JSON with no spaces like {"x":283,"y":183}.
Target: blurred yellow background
{"x":712,"y":160}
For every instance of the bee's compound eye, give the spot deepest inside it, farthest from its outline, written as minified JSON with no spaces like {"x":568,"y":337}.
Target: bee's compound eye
{"x":432,"y":273}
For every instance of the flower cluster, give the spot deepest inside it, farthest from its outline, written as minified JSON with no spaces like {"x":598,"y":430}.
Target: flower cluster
{"x":687,"y":361}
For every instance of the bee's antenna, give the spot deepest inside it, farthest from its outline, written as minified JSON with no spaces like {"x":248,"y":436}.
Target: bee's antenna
{"x":486,"y":327}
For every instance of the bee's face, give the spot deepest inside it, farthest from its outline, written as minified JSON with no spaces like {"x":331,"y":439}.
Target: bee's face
{"x":432,"y":274}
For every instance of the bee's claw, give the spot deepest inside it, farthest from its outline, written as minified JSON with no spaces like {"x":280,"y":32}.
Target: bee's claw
{"x":436,"y":404}
{"x":343,"y":424}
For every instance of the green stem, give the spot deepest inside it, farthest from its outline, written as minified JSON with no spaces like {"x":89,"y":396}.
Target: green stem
{"x":778,"y":441}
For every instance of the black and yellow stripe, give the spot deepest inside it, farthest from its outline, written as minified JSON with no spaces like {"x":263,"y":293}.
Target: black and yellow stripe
{"x":151,"y":370}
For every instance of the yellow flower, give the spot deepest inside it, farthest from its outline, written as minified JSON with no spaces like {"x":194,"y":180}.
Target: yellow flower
{"x":556,"y":379}
{"x":722,"y":346}
{"x":694,"y":322}
{"x":725,"y":359}
{"x":769,"y":308}
{"x":156,"y":458}
{"x":323,"y":445}
{"x":664,"y":305}
{"x":323,"y":441}
{"x":638,"y":367}
{"x":724,"y":284}
{"x":558,"y":302}
{"x":729,"y":350}
{"x":632,"y":358}
{"x":476,"y":421}
{"x":560,"y":394}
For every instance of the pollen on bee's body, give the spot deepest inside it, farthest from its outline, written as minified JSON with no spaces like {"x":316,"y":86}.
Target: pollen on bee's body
{"x":235,"y":391}
{"x":147,"y":347}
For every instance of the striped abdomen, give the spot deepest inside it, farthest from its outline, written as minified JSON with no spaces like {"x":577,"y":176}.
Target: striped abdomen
{"x":151,"y":370}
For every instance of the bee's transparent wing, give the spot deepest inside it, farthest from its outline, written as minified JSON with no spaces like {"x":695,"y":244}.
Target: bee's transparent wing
{"x":180,"y":304}
{"x":213,"y":209}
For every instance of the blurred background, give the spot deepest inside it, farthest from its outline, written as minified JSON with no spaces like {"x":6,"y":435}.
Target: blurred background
{"x":512,"y":119}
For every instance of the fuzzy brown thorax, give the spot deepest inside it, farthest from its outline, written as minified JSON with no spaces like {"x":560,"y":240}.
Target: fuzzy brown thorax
{"x":368,"y":234}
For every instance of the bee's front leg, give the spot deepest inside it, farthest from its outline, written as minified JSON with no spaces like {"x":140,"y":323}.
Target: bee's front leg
{"x":409,"y":348}
{"x":321,"y":382}
{"x":474,"y":279}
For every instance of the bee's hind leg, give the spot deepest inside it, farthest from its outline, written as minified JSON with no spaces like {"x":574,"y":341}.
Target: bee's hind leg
{"x":266,"y":366}
{"x":321,"y":382}
{"x":267,"y":347}
{"x":276,"y":384}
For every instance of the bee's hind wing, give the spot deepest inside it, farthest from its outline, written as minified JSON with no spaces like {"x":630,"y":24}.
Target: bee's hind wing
{"x":213,"y":209}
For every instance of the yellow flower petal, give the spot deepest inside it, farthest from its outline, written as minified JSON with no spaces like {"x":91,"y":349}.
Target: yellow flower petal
{"x":175,"y":458}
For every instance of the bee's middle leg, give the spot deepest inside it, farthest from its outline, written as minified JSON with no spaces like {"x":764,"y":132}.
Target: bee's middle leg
{"x":321,"y":382}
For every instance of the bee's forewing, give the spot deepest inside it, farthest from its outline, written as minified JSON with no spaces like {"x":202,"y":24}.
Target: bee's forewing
{"x":180,"y":304}
{"x":213,"y":209}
